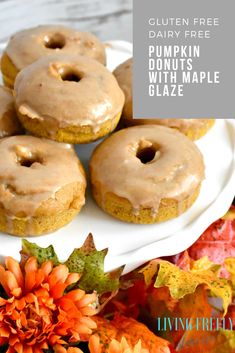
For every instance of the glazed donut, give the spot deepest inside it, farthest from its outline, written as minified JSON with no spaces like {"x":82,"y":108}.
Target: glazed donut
{"x":123,"y":74}
{"x":9,"y":123}
{"x":29,"y":45}
{"x":68,"y":98}
{"x":193,"y":128}
{"x":42,"y":185}
{"x":146,"y":174}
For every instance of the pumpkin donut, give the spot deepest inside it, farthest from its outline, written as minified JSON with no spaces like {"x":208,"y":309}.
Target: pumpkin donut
{"x":29,"y":45}
{"x":193,"y":128}
{"x":37,"y":196}
{"x":68,"y":98}
{"x":139,"y":176}
{"x":9,"y":123}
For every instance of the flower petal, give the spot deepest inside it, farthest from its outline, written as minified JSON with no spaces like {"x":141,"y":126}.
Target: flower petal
{"x":76,"y":294}
{"x":47,"y":268}
{"x":4,"y":332}
{"x":58,"y":274}
{"x":86,"y":300}
{"x":27,"y":349}
{"x":59,"y":349}
{"x":30,"y":273}
{"x":74,"y":350}
{"x":88,"y":311}
{"x":13,"y":266}
{"x":72,"y":278}
{"x":94,"y":344}
{"x":18,"y":348}
{"x":58,"y":290}
{"x":10,"y":281}
{"x":89,"y":322}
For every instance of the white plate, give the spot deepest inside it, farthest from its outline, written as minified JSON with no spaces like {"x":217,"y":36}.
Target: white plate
{"x":132,"y":244}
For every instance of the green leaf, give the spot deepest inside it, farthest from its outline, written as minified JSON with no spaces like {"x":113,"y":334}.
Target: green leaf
{"x":89,"y":262}
{"x":42,"y":254}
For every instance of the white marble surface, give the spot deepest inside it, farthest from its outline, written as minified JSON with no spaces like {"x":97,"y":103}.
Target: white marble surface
{"x":108,"y":19}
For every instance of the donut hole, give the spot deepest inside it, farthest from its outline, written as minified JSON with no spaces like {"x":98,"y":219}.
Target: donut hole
{"x":28,"y":162}
{"x":68,"y":74}
{"x":56,"y":41}
{"x":146,"y":154}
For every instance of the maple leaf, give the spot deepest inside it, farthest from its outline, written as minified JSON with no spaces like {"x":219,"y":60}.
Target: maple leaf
{"x":192,"y":306}
{"x":181,"y":282}
{"x":162,"y":307}
{"x":217,"y":242}
{"x":89,"y":262}
{"x":41,"y":254}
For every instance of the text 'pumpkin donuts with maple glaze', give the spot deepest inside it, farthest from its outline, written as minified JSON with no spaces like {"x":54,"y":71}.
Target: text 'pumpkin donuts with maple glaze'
{"x":193,"y":128}
{"x":146,"y":174}
{"x":42,"y":185}
{"x":27,"y":46}
{"x":9,"y":123}
{"x":68,"y":98}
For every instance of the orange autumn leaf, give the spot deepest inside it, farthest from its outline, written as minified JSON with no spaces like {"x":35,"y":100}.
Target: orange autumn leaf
{"x":132,"y":330}
{"x":129,"y":301}
{"x":160,"y":300}
{"x":191,"y":306}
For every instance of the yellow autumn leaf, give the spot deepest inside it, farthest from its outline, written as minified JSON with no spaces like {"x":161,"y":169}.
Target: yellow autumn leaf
{"x":230,"y":267}
{"x":205,"y":264}
{"x":182,"y":282}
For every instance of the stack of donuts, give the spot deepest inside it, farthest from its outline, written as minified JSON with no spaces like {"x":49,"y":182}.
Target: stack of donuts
{"x":58,"y":92}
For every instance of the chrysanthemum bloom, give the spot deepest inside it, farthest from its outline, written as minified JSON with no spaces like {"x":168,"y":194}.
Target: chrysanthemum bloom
{"x":115,"y":346}
{"x":37,"y":314}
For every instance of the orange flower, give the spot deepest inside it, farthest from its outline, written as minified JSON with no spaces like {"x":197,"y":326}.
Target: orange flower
{"x":37,"y":314}
{"x":115,"y":346}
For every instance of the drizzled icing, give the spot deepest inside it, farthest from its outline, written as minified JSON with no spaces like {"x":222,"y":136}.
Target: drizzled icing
{"x":29,"y":45}
{"x":33,"y":171}
{"x":41,"y":93}
{"x":123,"y":74}
{"x":9,"y":124}
{"x":174,"y":171}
